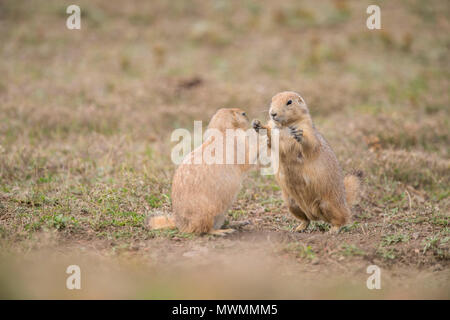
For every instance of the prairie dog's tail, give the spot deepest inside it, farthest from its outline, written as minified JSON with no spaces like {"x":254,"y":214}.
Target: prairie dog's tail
{"x":352,"y":184}
{"x":161,"y":222}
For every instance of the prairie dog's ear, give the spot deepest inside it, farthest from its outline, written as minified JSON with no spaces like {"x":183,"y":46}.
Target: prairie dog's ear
{"x":301,"y":100}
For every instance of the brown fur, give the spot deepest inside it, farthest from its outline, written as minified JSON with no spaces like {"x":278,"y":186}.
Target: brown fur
{"x":202,"y":193}
{"x":161,"y":222}
{"x":352,"y":186}
{"x":309,"y":174}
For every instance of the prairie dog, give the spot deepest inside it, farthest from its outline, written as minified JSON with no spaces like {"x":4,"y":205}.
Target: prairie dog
{"x":202,"y":193}
{"x":312,"y":182}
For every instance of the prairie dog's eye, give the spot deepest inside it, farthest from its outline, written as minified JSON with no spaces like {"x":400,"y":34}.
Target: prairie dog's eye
{"x":289,"y":102}
{"x":244,"y":114}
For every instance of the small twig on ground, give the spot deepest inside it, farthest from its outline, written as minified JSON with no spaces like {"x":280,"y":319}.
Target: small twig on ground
{"x":409,"y":197}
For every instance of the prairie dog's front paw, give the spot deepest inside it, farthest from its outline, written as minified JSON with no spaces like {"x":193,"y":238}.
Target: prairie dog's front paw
{"x":256,"y":124}
{"x":296,"y":133}
{"x":335,"y":230}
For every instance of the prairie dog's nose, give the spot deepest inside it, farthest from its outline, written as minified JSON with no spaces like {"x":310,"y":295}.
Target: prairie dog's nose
{"x":273,"y":114}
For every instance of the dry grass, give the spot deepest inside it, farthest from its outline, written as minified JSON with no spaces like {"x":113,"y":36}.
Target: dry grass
{"x":86,"y":118}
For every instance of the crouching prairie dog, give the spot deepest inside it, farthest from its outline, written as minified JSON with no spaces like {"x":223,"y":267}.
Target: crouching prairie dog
{"x":312,"y":182}
{"x":203,"y":193}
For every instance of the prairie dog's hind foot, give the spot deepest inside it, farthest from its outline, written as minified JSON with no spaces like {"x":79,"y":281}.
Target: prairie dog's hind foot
{"x":221,"y":232}
{"x":238,"y":224}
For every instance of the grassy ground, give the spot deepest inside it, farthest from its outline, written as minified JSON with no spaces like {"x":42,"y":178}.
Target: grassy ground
{"x":85,"y":123}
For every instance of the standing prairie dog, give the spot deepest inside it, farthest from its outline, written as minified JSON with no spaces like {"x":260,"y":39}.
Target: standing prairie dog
{"x":203,"y":193}
{"x":309,"y":174}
